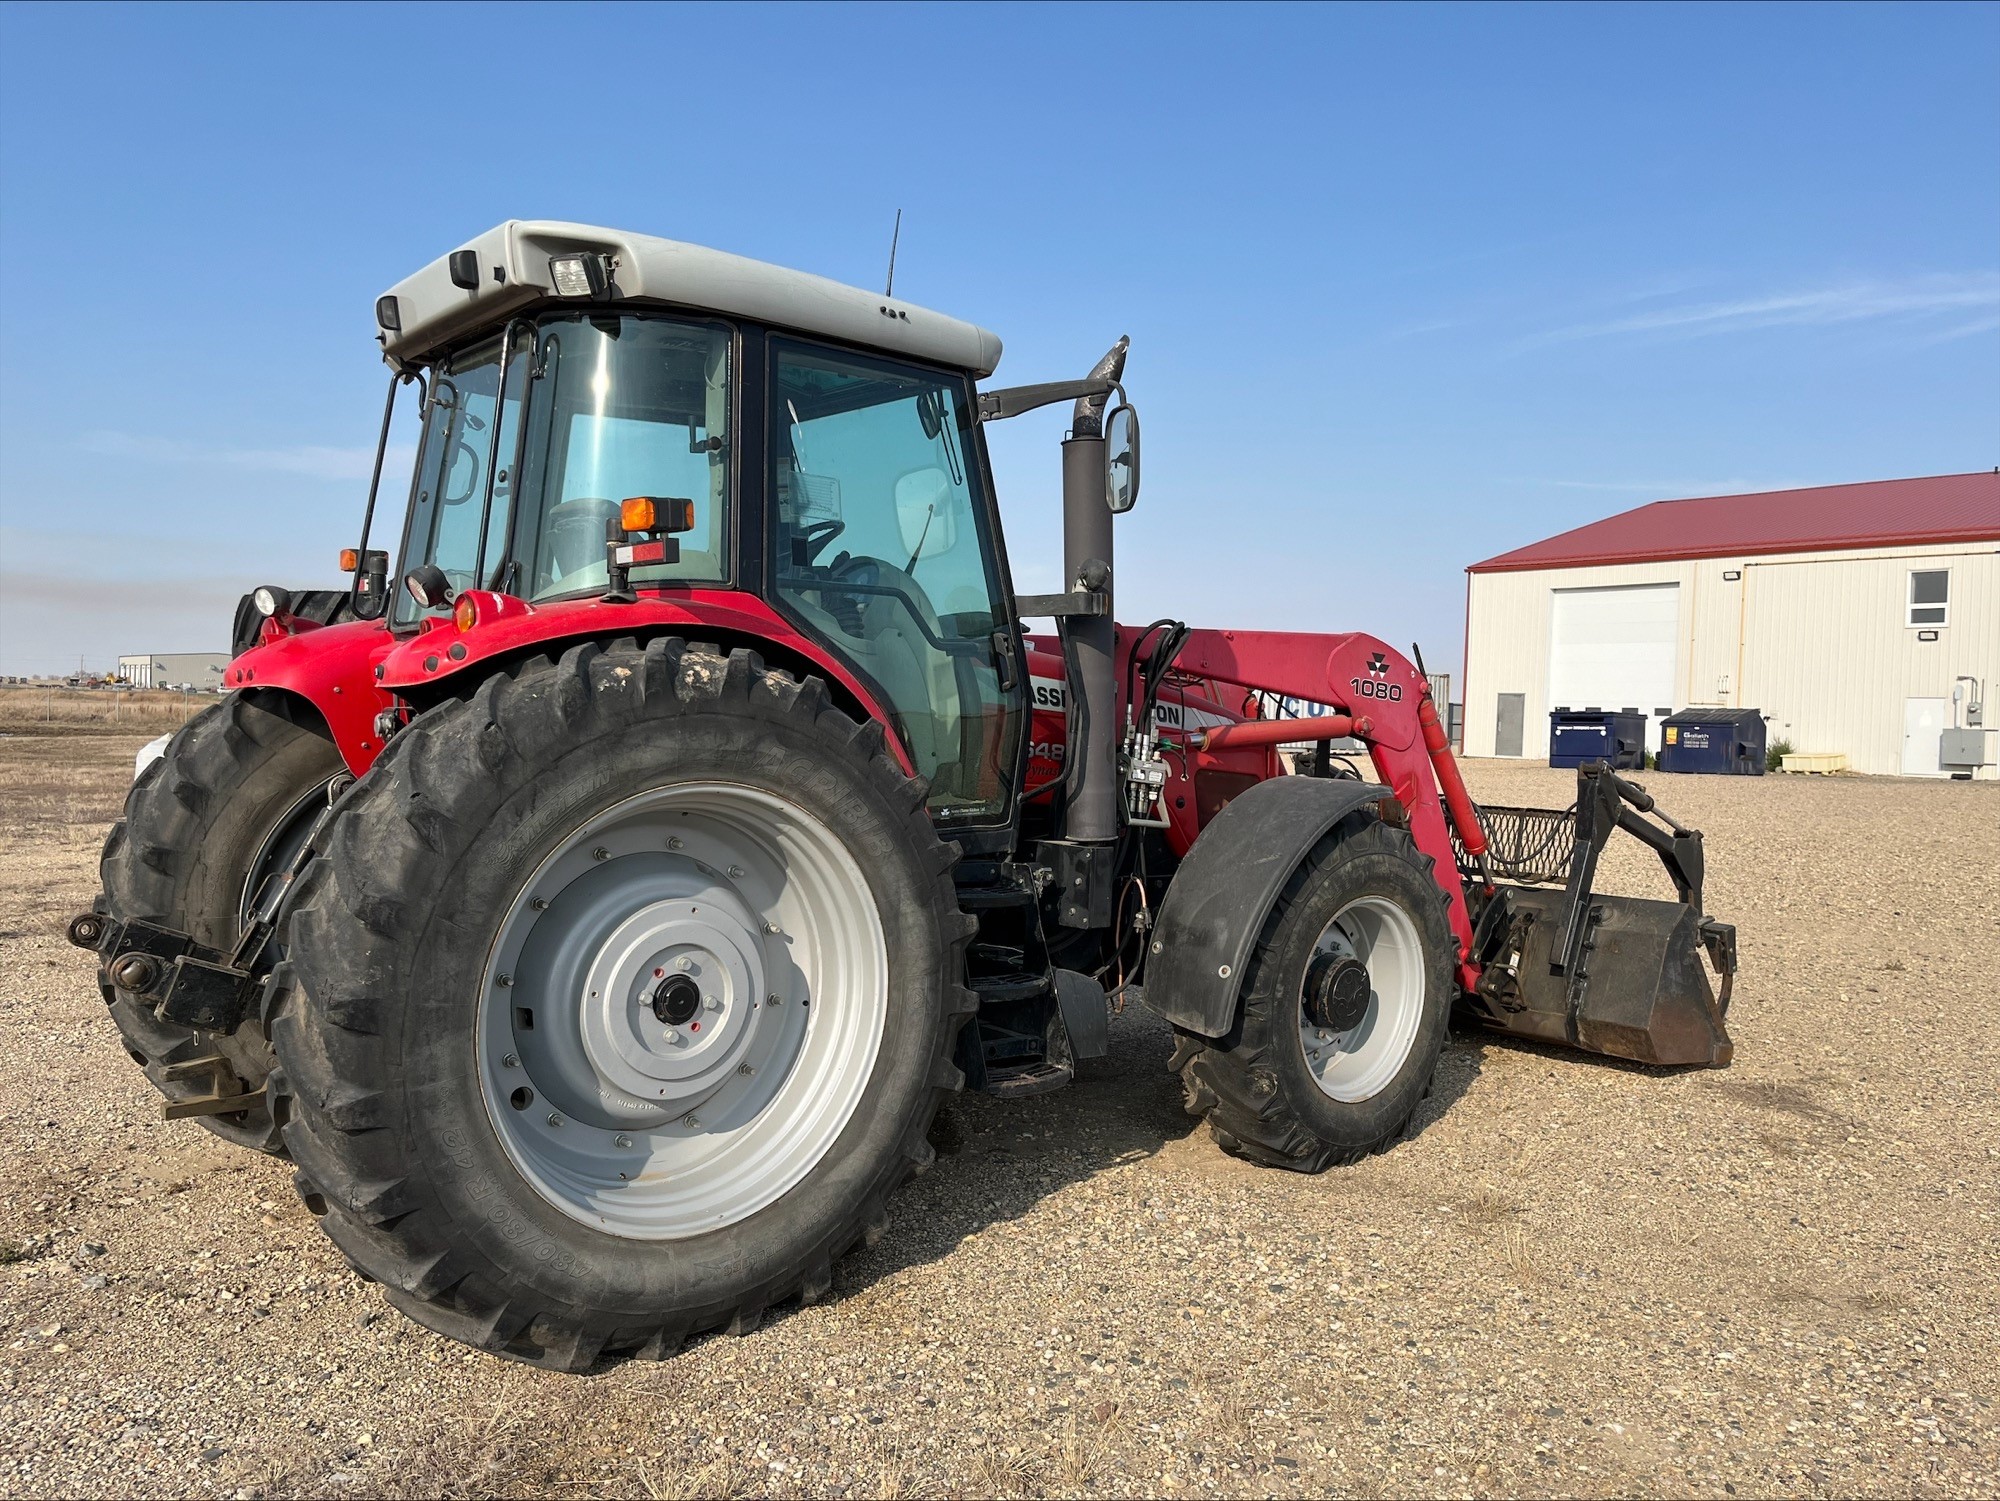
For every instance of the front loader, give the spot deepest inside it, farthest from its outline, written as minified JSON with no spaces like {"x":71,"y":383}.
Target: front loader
{"x":597,"y":917}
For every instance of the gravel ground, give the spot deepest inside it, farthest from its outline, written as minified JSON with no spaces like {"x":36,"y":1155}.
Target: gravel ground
{"x":1578,"y":1278}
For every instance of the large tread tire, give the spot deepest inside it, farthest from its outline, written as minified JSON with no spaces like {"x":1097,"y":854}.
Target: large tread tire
{"x":1253,"y":1086}
{"x":195,"y":821}
{"x":375,"y":1010}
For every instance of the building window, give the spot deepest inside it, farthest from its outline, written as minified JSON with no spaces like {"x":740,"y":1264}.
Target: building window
{"x":1930,"y":596}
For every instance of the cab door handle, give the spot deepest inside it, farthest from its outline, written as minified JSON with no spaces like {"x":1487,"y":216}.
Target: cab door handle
{"x":1003,"y":660}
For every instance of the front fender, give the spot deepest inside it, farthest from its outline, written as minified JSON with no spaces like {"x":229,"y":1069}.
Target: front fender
{"x":1225,"y":888}
{"x":507,"y":627}
{"x":333,"y":668}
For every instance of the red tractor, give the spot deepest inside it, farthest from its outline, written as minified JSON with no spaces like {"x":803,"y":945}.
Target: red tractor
{"x":597,"y":919}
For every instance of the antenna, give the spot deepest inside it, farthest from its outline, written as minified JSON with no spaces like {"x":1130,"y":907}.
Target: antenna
{"x":895,"y":235}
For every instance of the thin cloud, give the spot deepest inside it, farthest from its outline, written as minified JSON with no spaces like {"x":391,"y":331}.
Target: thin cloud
{"x":1673,"y":489}
{"x":314,"y":461}
{"x":1853,"y":302}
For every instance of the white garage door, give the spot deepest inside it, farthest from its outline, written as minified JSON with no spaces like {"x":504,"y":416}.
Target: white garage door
{"x":1616,"y":649}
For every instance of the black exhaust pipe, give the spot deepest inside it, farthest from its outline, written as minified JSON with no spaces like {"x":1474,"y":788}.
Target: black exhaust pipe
{"x":1093,"y":810}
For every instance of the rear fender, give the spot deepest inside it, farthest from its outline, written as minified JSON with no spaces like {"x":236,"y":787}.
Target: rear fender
{"x":333,"y":669}
{"x":435,"y":662}
{"x":1225,"y":889}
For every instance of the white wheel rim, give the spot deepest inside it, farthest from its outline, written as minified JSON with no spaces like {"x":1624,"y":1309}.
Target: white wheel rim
{"x":1359,"y":1063}
{"x":654,"y":1131}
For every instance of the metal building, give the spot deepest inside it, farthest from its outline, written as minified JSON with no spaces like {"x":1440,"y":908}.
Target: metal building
{"x":193,"y":669}
{"x":1861,"y":620}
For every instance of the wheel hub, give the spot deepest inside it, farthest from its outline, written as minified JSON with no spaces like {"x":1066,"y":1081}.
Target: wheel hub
{"x":676,"y":999}
{"x":1336,"y":991}
{"x":681,"y":1007}
{"x":1361,"y":998}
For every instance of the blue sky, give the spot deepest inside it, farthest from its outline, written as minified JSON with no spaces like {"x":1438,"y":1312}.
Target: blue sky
{"x":1406,"y":287}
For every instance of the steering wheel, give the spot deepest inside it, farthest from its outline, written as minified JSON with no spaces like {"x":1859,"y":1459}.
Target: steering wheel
{"x":815,"y":536}
{"x":576,"y":531}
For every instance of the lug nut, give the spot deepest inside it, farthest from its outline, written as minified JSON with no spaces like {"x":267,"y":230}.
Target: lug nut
{"x":510,"y":1061}
{"x":506,"y":980}
{"x":735,"y":872}
{"x":745,"y":1070}
{"x":554,"y":1119}
{"x":600,"y":853}
{"x":770,"y":927}
{"x":540,"y":904}
{"x":623,"y":1141}
{"x":674,"y":842}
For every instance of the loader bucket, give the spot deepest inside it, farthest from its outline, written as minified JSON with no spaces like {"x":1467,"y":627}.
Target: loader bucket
{"x":1618,"y":975}
{"x":1640,"y":989}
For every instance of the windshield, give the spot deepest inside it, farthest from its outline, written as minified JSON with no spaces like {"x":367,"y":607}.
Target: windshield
{"x":621,"y":406}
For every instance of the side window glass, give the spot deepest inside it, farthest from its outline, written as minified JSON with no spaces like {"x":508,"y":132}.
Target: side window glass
{"x":881,"y":545}
{"x":461,"y":436}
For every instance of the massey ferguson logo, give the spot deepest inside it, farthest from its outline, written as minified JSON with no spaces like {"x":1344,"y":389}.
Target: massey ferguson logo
{"x":1376,"y":684}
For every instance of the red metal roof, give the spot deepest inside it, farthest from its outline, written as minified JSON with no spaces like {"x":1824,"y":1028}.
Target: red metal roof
{"x":1886,"y":513}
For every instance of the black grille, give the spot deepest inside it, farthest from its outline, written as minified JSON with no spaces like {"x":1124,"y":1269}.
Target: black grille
{"x":1523,"y":844}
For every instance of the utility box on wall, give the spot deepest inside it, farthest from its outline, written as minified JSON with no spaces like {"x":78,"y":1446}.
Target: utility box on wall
{"x":1963,"y":751}
{"x":1727,"y":742}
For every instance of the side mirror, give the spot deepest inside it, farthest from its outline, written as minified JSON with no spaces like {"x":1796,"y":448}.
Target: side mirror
{"x":926,"y":513}
{"x":1121,"y":459}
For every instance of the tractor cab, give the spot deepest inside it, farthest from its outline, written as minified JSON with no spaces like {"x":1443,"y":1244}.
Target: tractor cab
{"x":825,"y":442}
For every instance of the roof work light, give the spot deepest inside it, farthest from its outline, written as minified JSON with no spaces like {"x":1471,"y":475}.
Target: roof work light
{"x":584,"y":274}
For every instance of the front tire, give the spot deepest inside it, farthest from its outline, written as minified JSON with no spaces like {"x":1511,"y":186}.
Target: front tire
{"x":1345,"y":1011}
{"x":618,"y":1004}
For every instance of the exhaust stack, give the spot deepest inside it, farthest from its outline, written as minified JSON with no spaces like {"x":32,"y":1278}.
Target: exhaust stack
{"x":1093,"y":816}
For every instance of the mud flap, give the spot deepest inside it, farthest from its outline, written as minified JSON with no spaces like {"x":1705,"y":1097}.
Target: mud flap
{"x":1637,"y":989}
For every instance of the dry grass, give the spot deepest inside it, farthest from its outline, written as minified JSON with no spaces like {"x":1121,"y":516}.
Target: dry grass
{"x":1000,"y":1472}
{"x":1490,"y":1207}
{"x":57,"y":789}
{"x":1520,"y":1253}
{"x":475,"y":1455}
{"x":1082,"y":1451}
{"x":96,"y":711}
{"x":726,"y":1477}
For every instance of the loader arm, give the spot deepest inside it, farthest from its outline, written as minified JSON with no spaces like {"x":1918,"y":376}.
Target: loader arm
{"x":1388,"y":701}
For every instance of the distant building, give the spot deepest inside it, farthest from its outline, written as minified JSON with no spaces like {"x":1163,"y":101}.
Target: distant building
{"x":193,"y":669}
{"x":1859,"y":619}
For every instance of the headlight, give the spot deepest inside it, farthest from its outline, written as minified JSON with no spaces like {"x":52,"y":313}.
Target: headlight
{"x":428,"y":586}
{"x":271,"y":600}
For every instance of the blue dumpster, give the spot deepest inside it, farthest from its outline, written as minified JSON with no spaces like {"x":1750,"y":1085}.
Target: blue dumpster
{"x":1617,"y":736}
{"x":1716,"y":741}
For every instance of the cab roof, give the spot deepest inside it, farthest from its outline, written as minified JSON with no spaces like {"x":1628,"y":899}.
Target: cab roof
{"x":510,"y":266}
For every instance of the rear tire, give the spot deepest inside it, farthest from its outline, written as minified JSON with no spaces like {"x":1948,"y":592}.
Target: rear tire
{"x":202,"y":824}
{"x":510,"y":1178}
{"x":1281,"y":1091}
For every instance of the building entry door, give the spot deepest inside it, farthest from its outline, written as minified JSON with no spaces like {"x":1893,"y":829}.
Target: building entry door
{"x":1508,"y":720}
{"x":1923,"y":737}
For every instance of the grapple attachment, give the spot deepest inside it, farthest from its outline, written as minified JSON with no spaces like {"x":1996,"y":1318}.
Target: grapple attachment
{"x":1618,"y":975}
